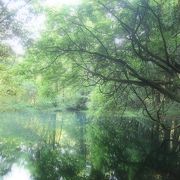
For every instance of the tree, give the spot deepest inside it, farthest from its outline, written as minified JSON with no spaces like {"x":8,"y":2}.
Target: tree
{"x":128,"y":43}
{"x":127,"y":53}
{"x":123,"y":47}
{"x":12,"y":31}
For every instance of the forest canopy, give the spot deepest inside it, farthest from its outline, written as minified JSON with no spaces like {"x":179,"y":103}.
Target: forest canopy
{"x":118,"y":62}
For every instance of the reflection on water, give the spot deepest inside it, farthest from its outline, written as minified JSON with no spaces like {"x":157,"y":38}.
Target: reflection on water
{"x":53,"y":144}
{"x":18,"y":172}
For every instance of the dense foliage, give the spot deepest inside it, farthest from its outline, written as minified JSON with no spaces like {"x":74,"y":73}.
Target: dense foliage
{"x":119,"y":63}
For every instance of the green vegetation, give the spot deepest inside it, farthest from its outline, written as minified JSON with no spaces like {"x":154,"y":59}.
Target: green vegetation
{"x":96,"y":94}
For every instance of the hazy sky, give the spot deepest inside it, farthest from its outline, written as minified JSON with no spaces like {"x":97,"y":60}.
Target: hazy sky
{"x":56,"y":3}
{"x":34,"y":24}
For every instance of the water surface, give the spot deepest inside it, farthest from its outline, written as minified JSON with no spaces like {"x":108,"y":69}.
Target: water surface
{"x":29,"y":138}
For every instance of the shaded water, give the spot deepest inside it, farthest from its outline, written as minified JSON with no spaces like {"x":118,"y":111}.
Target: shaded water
{"x":29,"y":138}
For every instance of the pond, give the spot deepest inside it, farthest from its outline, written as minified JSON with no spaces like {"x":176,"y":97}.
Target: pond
{"x":42,"y":145}
{"x":18,"y":171}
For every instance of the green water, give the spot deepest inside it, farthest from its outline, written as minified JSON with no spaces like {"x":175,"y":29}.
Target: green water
{"x":42,"y":145}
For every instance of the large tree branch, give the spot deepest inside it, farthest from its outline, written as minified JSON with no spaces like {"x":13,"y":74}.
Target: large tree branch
{"x":123,"y":65}
{"x":133,"y":34}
